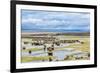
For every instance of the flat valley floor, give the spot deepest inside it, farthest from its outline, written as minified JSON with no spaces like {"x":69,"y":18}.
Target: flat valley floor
{"x":76,"y":48}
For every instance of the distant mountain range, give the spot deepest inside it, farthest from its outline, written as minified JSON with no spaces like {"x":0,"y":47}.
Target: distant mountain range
{"x":55,"y":30}
{"x":52,"y":32}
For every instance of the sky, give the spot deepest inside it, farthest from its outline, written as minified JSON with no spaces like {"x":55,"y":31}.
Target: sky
{"x":54,"y":21}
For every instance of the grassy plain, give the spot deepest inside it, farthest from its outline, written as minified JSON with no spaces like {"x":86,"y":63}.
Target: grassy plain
{"x":85,"y":47}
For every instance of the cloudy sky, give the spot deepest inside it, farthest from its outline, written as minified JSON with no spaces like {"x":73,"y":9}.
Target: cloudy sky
{"x":52,"y":21}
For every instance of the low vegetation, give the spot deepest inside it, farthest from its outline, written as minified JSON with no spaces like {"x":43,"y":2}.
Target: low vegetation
{"x":32,"y":58}
{"x":84,"y":47}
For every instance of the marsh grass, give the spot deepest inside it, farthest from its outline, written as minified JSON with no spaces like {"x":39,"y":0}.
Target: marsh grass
{"x":32,"y":58}
{"x":85,"y":47}
{"x":31,"y":49}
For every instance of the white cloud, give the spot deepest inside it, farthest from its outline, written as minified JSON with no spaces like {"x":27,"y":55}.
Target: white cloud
{"x":56,"y":20}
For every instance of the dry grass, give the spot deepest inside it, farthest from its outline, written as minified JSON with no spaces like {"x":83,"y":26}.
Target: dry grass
{"x":85,"y":47}
{"x":32,"y":58}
